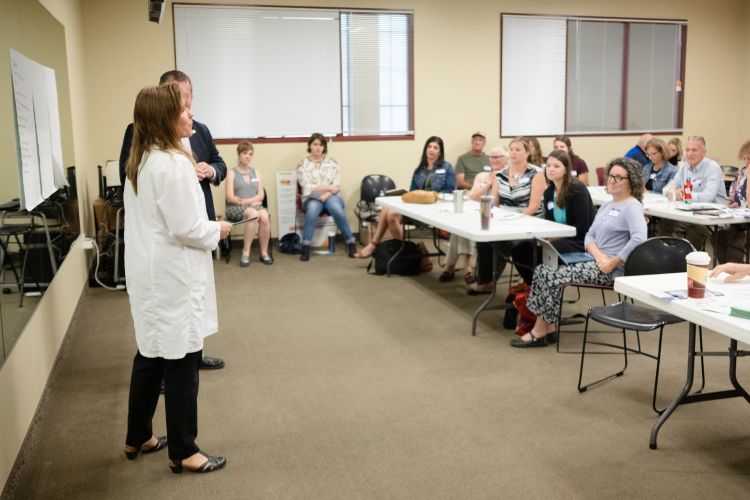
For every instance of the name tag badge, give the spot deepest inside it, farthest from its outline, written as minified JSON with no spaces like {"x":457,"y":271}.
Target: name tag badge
{"x":574,"y":173}
{"x":550,"y":205}
{"x":254,"y":179}
{"x":524,"y":180}
{"x":440,"y":171}
{"x":614,"y":213}
{"x":653,"y":176}
{"x":487,"y":168}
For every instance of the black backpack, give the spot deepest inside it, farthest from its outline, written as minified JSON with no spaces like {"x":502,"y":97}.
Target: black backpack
{"x":408,"y":262}
{"x":290,"y":243}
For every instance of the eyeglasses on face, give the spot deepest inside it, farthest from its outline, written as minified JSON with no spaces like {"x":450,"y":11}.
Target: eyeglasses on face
{"x":496,"y":157}
{"x":616,"y":178}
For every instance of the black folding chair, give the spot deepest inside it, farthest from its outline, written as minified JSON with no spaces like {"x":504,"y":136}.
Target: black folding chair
{"x":653,"y":256}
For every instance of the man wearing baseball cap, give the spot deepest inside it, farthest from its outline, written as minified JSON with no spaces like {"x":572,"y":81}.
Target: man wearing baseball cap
{"x":472,"y":163}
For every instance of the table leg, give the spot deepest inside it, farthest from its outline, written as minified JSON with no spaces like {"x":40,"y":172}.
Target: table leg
{"x":733,"y":370}
{"x":483,"y":306}
{"x":685,"y":390}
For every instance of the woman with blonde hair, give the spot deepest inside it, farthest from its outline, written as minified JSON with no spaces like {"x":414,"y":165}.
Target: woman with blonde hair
{"x":658,"y":172}
{"x":518,"y":187}
{"x":170,"y":279}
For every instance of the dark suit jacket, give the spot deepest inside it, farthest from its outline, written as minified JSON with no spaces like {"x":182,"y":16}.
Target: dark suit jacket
{"x":203,"y":148}
{"x":579,"y":212}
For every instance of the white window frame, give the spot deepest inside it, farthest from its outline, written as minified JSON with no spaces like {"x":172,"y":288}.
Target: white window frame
{"x":534,"y":76}
{"x":308,"y":92}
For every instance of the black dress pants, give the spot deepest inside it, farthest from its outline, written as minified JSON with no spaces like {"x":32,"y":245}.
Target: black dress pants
{"x":484,"y":259}
{"x":180,"y":402}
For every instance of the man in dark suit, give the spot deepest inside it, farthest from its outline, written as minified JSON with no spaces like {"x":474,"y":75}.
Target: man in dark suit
{"x":210,"y":168}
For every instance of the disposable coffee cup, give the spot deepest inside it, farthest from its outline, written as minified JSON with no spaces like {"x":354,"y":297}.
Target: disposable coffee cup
{"x":458,"y":201}
{"x":697,"y":273}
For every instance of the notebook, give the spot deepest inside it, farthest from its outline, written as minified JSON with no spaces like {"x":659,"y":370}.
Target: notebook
{"x":552,"y":258}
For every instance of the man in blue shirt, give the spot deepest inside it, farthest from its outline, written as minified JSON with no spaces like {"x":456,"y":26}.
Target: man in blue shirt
{"x":707,"y":179}
{"x":638,"y":152}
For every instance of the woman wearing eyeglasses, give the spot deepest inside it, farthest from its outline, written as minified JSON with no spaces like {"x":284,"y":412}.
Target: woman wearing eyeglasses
{"x":619,"y":226}
{"x":658,"y":171}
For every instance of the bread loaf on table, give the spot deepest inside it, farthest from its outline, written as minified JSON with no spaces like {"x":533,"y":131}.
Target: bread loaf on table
{"x":420,"y":196}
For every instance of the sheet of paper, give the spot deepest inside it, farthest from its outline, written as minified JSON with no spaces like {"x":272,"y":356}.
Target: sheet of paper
{"x":37,"y":130}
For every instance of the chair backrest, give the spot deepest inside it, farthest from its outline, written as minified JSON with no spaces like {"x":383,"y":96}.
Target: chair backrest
{"x":372,"y":185}
{"x":658,"y":255}
{"x":600,"y":176}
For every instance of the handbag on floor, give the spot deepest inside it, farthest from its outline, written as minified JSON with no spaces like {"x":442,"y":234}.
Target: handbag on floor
{"x":407,"y":263}
{"x":526,"y":318}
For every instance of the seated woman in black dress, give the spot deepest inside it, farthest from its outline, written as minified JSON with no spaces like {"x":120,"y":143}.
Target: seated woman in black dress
{"x":567,"y":201}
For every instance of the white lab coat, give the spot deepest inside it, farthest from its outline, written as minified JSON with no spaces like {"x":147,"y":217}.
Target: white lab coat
{"x":168,"y":244}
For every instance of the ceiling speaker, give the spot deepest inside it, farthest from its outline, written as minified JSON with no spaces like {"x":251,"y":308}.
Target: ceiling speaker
{"x":156,"y":10}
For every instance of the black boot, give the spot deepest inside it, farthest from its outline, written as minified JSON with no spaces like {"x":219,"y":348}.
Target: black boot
{"x":351,"y":249}
{"x":304,"y":255}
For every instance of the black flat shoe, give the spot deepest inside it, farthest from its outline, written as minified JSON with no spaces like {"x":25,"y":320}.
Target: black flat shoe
{"x":161,"y":443}
{"x":304,"y":255}
{"x":210,"y":465}
{"x":532,"y":342}
{"x":474,"y":291}
{"x":210,"y":363}
{"x":266,"y":259}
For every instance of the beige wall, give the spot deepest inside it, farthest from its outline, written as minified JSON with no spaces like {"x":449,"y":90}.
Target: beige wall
{"x":25,"y":372}
{"x":113,"y":51}
{"x":456,"y":79}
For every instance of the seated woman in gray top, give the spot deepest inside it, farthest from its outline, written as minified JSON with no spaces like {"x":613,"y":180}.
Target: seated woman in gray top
{"x":618,"y":228}
{"x":245,"y":196}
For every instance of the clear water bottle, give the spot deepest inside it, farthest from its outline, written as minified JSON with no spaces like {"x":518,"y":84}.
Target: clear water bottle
{"x":331,"y":242}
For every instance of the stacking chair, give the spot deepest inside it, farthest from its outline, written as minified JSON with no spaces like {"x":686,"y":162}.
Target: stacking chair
{"x":366,"y":210}
{"x":653,"y":256}
{"x":225,"y":245}
{"x":19,"y":233}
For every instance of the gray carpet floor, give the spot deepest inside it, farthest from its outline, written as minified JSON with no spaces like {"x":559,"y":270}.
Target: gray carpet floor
{"x":340,"y":385}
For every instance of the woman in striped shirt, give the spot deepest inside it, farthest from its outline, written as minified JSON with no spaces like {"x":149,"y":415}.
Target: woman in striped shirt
{"x":518,"y":188}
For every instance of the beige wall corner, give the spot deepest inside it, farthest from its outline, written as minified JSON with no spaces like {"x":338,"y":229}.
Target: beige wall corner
{"x":27,"y":368}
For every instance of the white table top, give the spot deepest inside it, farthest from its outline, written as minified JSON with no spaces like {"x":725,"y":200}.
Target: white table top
{"x":504,"y":225}
{"x":704,"y":312}
{"x":656,"y":205}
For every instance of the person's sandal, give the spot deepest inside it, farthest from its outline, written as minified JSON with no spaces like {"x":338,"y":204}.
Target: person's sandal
{"x":532,"y":342}
{"x":132,"y":452}
{"x":446,"y":276}
{"x":210,"y":465}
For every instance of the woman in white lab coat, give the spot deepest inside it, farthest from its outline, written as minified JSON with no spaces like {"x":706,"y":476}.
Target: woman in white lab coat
{"x":168,"y":241}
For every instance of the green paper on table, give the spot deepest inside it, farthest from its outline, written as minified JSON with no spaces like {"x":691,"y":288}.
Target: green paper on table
{"x":740,"y":312}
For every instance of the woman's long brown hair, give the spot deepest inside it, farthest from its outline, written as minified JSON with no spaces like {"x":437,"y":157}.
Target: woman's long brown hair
{"x":155,"y":116}
{"x":567,"y":180}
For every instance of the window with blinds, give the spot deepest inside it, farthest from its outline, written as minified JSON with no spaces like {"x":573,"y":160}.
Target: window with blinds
{"x":266,"y":72}
{"x":591,"y":76}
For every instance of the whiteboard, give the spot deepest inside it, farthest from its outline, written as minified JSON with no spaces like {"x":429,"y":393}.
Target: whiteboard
{"x":38,"y":140}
